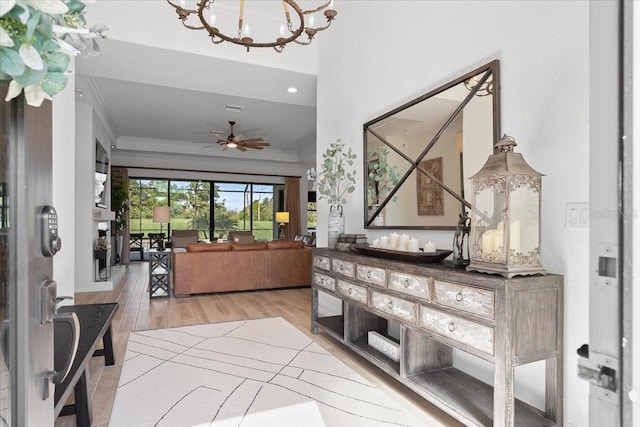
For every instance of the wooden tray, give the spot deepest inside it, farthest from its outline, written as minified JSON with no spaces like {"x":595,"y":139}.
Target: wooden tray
{"x":418,"y":257}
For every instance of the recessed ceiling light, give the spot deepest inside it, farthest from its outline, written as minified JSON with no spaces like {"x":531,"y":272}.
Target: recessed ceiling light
{"x":230,"y":107}
{"x":292,"y":89}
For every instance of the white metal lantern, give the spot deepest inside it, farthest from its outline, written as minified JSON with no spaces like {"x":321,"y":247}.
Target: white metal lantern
{"x":505,"y":215}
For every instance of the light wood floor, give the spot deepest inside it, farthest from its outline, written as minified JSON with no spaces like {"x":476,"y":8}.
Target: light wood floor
{"x":138,"y":312}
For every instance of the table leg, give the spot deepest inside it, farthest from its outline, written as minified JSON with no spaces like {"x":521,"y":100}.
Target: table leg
{"x":83,"y":402}
{"x":107,"y":343}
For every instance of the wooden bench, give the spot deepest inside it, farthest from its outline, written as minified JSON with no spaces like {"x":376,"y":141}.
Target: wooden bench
{"x":95,"y":325}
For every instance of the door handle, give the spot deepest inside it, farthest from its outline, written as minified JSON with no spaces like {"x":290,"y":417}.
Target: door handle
{"x":66,"y":340}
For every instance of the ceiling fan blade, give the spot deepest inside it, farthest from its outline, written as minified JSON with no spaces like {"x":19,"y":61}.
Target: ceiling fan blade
{"x":208,"y":146}
{"x":257,"y":144}
{"x":252,"y":140}
{"x":217,"y":132}
{"x":241,"y":148}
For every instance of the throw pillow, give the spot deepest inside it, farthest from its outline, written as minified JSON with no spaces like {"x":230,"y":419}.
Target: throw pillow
{"x":285,"y":244}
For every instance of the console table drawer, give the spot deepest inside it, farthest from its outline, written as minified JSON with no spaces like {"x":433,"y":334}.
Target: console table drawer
{"x":322,"y":262}
{"x":372,"y":275}
{"x":393,"y":306}
{"x":466,"y":298}
{"x":351,"y":291}
{"x":324,"y":281}
{"x":344,"y":267}
{"x":409,"y":284}
{"x":458,"y":329}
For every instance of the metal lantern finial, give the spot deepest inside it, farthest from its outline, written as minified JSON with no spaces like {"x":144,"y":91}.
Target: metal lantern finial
{"x":505,"y":214}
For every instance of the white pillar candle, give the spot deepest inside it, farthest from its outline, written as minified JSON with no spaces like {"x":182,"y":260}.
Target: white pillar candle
{"x":402,"y":242}
{"x":376,"y":243}
{"x":384,"y":242}
{"x":394,"y":240}
{"x":487,"y":241}
{"x":498,"y":239}
{"x":413,"y":245}
{"x":429,"y":247}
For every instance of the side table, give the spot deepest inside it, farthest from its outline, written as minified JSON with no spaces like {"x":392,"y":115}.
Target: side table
{"x":159,"y":273}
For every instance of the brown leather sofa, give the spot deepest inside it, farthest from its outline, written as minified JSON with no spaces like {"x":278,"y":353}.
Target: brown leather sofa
{"x":225,"y":267}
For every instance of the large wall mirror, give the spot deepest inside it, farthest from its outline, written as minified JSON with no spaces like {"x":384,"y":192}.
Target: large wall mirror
{"x":420,"y":155}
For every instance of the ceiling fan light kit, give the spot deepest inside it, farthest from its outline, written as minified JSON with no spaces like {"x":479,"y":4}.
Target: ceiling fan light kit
{"x":204,"y":13}
{"x":238,"y":141}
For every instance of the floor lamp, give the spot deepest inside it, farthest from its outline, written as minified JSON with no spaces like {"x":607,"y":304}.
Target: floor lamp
{"x":283,"y":219}
{"x":161,"y":214}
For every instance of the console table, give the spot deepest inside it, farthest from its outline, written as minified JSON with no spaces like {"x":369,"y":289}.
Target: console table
{"x":507,"y":322}
{"x":159,"y":269}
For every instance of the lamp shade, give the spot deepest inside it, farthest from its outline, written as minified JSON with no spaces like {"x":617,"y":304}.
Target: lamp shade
{"x":282,"y":217}
{"x":161,"y":214}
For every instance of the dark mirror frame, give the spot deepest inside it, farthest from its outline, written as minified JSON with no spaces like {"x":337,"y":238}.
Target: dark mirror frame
{"x":494,"y":68}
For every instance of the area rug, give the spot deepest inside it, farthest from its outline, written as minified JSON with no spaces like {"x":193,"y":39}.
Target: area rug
{"x":261,"y":372}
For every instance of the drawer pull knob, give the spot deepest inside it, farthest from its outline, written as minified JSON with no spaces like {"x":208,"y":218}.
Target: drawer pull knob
{"x":341,"y":267}
{"x":390,"y":305}
{"x":452,"y":327}
{"x":459,"y":296}
{"x":406,"y":283}
{"x":350,"y":291}
{"x":369,"y":274}
{"x":322,"y":280}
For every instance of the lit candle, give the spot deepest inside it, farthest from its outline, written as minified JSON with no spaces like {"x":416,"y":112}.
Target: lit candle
{"x":376,"y":243}
{"x":429,"y":247}
{"x":281,"y":30}
{"x":384,"y":242}
{"x":413,"y":245}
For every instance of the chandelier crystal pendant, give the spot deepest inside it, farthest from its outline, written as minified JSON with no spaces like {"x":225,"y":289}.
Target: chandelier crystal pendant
{"x":203,"y":17}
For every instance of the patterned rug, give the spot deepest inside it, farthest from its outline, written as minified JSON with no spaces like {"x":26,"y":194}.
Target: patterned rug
{"x":261,"y":372}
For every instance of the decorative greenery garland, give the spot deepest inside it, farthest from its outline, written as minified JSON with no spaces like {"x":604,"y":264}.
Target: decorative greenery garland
{"x":37,"y":38}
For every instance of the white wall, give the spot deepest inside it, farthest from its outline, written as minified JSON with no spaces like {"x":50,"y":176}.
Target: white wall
{"x":63,"y":152}
{"x":378,"y":55}
{"x":89,"y":128}
{"x":84,"y":166}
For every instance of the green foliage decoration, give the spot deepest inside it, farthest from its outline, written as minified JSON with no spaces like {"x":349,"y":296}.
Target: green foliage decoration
{"x":337,"y":176}
{"x":383,"y":177}
{"x":37,"y":38}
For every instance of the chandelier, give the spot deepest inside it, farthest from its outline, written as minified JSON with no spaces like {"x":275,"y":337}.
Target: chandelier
{"x":290,"y":30}
{"x":486,"y":84}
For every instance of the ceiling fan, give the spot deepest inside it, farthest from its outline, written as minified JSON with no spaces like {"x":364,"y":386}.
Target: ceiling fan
{"x":238,"y":141}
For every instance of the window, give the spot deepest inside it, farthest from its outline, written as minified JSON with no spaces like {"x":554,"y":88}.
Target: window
{"x":144,"y":194}
{"x":312,"y":217}
{"x":190,"y":207}
{"x":236,"y":206}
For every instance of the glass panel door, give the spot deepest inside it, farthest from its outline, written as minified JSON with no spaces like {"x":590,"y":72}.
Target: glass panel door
{"x":262,"y":211}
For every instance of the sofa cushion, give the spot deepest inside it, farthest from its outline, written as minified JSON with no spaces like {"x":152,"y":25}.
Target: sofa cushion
{"x":208,"y":247}
{"x":181,"y":238}
{"x":258,"y":246}
{"x":285,"y":244}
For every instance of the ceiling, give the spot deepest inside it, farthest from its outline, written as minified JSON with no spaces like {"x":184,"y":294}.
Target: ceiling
{"x":163,"y":87}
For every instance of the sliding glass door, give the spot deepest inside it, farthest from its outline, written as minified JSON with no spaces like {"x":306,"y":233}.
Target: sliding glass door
{"x":190,"y":207}
{"x":236,"y":206}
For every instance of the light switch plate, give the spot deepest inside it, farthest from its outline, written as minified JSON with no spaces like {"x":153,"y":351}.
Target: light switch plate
{"x":577,"y":215}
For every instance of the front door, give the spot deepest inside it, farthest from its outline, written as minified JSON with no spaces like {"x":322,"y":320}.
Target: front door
{"x":26,"y":353}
